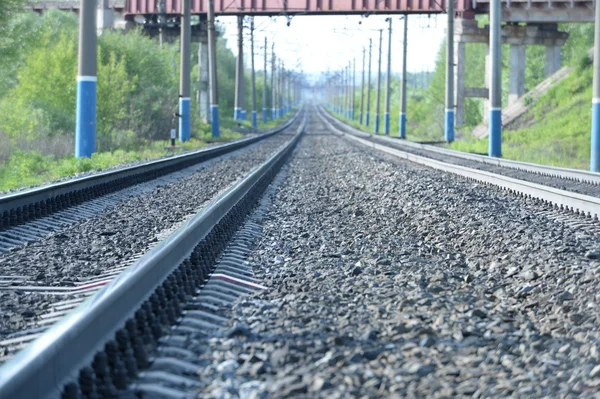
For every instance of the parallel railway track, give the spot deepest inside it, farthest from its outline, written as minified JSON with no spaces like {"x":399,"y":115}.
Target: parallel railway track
{"x":102,"y":343}
{"x":30,"y":215}
{"x":559,"y":187}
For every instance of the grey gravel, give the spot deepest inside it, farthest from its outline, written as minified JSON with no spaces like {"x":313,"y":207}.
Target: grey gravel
{"x":87,"y":249}
{"x":387,"y":279}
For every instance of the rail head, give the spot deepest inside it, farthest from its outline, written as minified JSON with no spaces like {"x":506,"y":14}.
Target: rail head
{"x":55,"y":358}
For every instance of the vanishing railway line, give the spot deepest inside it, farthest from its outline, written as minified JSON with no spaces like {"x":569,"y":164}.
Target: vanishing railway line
{"x":375,"y":233}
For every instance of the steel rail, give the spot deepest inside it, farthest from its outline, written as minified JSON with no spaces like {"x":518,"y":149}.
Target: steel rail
{"x":579,"y":203}
{"x":53,"y":361}
{"x":23,"y":206}
{"x":544,"y":170}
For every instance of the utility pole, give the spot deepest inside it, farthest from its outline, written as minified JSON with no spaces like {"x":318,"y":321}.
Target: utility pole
{"x":280,"y":87}
{"x":212,"y":71}
{"x":378,"y":100}
{"x":273,"y":93}
{"x":495,"y":133}
{"x":362,"y":91}
{"x":386,"y":117}
{"x":346,"y":101}
{"x":264,"y":99}
{"x":353,"y":89}
{"x":254,"y":121}
{"x":85,"y":125}
{"x":184,"y":78}
{"x":369,"y":84}
{"x":403,"y":88}
{"x":239,"y":70}
{"x":595,"y":155}
{"x":449,"y":122}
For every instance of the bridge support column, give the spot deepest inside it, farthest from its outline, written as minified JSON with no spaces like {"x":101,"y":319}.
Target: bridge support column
{"x":553,"y":58}
{"x":517,"y":73}
{"x":105,"y":17}
{"x":203,"y":101}
{"x":460,"y":60}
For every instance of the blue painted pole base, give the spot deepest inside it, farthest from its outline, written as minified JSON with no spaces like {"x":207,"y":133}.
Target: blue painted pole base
{"x":215,"y":122}
{"x":368,"y":119}
{"x":254,"y":119}
{"x":184,"y":119}
{"x":85,"y":124}
{"x":237,"y":113}
{"x":264,"y":116}
{"x":244,"y":116}
{"x":352,"y":114}
{"x":402,"y":123}
{"x":386,"y":123}
{"x":495,"y":136}
{"x":360,"y":118}
{"x":449,"y":126}
{"x":376,"y":124}
{"x":595,"y":154}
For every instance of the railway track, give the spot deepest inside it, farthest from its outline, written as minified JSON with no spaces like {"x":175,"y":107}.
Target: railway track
{"x":99,"y":345}
{"x":408,"y":300}
{"x":29,"y":215}
{"x":567,"y":189}
{"x":69,"y":265}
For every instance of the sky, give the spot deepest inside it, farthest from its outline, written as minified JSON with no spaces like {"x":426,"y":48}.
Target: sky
{"x":315,"y":44}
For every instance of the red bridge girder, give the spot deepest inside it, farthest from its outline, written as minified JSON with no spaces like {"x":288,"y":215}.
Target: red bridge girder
{"x":299,"y":7}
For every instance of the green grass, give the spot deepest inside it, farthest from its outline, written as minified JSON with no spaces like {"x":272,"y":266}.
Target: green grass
{"x":28,"y":168}
{"x":560,"y":133}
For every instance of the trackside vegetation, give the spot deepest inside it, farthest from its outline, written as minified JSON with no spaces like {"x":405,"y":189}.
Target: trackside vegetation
{"x":137,"y":94}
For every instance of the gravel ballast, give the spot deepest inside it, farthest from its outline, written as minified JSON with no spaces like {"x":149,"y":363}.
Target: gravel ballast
{"x":386,"y":279}
{"x":87,"y":249}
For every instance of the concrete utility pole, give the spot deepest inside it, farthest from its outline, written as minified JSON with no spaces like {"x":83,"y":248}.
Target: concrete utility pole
{"x":85,"y":125}
{"x":239,"y":70}
{"x":273,"y":92}
{"x":203,"y":67}
{"x":595,"y":155}
{"x":353,"y":89}
{"x":369,"y":85}
{"x":184,"y":78}
{"x":362,"y":91}
{"x":495,"y":139}
{"x":386,"y":117}
{"x":403,"y":89}
{"x":347,"y":89}
{"x":254,"y":121}
{"x":280,"y":87}
{"x":212,"y":71}
{"x":378,"y":100}
{"x":264,"y":99}
{"x":449,"y":123}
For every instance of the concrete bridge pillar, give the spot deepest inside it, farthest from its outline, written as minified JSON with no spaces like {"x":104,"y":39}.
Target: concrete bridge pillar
{"x":517,"y":72}
{"x":553,"y":58}
{"x":203,"y":84}
{"x":105,"y":17}
{"x":488,"y":78}
{"x":459,"y":83}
